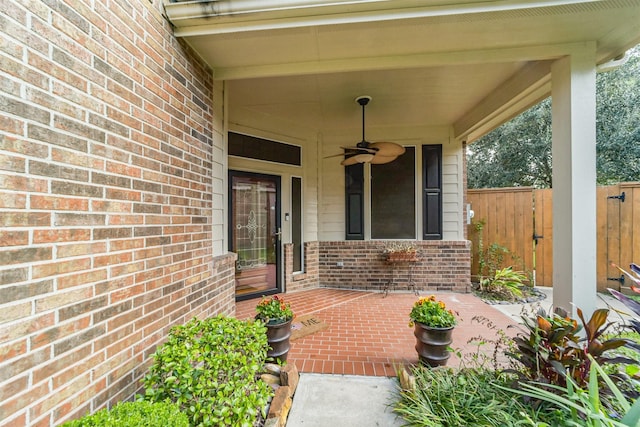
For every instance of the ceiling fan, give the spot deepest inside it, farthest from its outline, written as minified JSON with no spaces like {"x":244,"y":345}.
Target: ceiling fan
{"x":376,"y":153}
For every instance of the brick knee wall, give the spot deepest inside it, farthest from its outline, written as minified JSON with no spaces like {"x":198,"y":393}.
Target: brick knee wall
{"x":108,"y":193}
{"x":306,"y":279}
{"x":442,"y":266}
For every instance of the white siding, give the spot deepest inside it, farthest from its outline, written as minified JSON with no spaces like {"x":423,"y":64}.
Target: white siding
{"x":452,"y":225}
{"x":332,"y":209}
{"x":218,"y":171}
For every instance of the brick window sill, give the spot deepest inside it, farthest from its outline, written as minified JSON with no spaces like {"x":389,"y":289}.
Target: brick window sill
{"x":298,"y":276}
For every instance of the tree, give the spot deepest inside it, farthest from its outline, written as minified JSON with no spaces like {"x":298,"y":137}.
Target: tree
{"x":618,"y":122}
{"x":518,"y":153}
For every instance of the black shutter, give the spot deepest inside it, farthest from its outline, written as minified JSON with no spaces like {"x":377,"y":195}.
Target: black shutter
{"x":354,"y":201}
{"x":432,"y":192}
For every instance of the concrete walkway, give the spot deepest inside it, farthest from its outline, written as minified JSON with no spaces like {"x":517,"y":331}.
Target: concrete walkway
{"x":514,"y":311}
{"x":325,"y":400}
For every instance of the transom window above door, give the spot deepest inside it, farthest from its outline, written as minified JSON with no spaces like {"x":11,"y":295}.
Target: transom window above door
{"x":252,"y":147}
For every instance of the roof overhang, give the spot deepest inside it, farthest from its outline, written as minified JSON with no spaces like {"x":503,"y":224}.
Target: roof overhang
{"x":470,"y":65}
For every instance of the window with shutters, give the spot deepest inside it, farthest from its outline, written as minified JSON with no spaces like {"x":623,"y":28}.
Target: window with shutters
{"x":394,"y":197}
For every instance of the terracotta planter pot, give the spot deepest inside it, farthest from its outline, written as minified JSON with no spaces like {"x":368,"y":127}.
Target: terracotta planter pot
{"x":278,"y":335}
{"x":432,"y":344}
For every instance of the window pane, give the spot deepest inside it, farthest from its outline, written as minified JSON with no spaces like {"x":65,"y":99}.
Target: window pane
{"x":354,"y":201}
{"x":296,"y":222}
{"x":263,"y":149}
{"x":393,"y":198}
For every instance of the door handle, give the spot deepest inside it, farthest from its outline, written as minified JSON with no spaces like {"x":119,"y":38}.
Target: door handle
{"x":278,"y":234}
{"x":536,"y":237}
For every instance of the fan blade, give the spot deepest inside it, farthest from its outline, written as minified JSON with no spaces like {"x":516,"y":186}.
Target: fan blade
{"x":388,"y":148}
{"x":334,"y":155}
{"x":381,"y":160}
{"x":360,"y":149}
{"x":358,"y":158}
{"x":349,"y":161}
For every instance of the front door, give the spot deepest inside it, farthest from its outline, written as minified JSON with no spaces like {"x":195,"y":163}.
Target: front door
{"x":254,"y":232}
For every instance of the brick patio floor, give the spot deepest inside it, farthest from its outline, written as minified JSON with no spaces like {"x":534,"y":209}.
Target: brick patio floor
{"x":368,"y":333}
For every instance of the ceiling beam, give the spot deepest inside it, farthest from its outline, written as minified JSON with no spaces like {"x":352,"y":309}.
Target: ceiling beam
{"x":522,"y":90}
{"x":436,"y":59}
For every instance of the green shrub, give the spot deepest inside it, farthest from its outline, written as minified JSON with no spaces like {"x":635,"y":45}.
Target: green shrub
{"x":505,"y":284}
{"x":583,"y":406}
{"x":444,"y":397}
{"x":551,"y":347}
{"x":135,"y":414}
{"x":210,"y":369}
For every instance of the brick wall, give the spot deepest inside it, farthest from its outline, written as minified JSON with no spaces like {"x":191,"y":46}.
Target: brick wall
{"x":307,"y":279}
{"x":107,"y":128}
{"x":442,"y":266}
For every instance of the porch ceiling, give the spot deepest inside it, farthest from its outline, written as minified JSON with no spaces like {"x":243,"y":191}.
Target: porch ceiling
{"x":469,"y":65}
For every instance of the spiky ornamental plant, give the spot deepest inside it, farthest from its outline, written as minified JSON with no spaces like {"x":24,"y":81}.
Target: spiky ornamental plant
{"x":634,"y":323}
{"x":551,"y":348}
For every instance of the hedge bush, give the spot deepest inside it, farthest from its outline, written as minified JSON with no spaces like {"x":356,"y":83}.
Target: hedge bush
{"x":135,"y":414}
{"x":210,"y":368}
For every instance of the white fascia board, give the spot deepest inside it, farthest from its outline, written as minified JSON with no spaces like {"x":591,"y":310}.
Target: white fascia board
{"x":194,"y":18}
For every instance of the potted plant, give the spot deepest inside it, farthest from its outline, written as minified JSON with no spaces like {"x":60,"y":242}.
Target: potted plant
{"x":277,"y":315}
{"x":433,"y":326}
{"x":397,"y":252}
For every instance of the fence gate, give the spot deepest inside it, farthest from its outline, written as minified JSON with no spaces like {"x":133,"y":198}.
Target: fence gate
{"x":508,"y":221}
{"x":543,"y":236}
{"x":618,"y":209}
{"x":520,"y":219}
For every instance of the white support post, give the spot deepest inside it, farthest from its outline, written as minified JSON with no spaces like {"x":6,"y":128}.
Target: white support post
{"x":574,"y":181}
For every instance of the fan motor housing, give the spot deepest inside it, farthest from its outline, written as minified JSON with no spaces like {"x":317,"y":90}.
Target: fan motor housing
{"x":363,"y":100}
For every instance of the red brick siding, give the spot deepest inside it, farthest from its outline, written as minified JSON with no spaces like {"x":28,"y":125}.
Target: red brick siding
{"x":106,"y":198}
{"x":442,"y":265}
{"x":309,"y":277}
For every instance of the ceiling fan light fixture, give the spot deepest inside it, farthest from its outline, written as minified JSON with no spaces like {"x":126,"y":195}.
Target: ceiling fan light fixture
{"x":364,"y":151}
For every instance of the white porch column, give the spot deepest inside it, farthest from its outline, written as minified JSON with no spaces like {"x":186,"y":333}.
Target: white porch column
{"x":574,"y":181}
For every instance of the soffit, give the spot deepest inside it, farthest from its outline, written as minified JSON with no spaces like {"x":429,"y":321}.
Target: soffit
{"x":428,"y":69}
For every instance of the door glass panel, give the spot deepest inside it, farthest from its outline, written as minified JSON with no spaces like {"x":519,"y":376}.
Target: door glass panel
{"x":254,"y":232}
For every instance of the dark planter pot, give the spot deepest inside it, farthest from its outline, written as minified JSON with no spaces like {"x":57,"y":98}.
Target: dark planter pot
{"x":278,"y":335}
{"x":432,"y":344}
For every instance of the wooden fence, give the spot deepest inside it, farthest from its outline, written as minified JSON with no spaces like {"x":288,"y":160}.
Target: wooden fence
{"x":517,"y":218}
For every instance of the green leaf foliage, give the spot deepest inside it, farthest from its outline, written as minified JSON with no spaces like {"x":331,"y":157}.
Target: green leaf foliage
{"x":506,"y":283}
{"x":445,"y":397}
{"x":135,"y":414}
{"x":210,"y":369}
{"x":583,"y":405}
{"x":516,"y":154}
{"x":552,"y":351}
